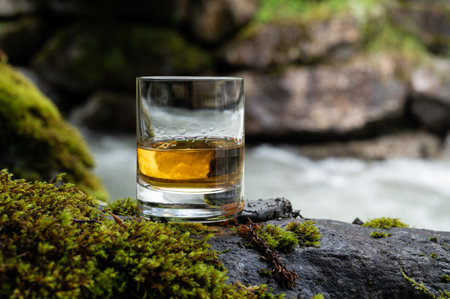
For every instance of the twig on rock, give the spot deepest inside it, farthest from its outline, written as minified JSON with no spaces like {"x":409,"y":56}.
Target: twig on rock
{"x":284,"y":276}
{"x":119,"y":221}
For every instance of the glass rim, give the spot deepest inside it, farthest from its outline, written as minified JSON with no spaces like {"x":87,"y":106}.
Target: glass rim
{"x":189,"y":78}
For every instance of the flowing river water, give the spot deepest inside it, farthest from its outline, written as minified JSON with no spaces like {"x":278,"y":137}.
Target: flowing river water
{"x":416,"y":191}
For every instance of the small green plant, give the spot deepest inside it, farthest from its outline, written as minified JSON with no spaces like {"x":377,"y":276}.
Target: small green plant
{"x":433,"y":239}
{"x":265,"y":272}
{"x":377,"y":234}
{"x":384,"y":223}
{"x":418,"y":286}
{"x":307,"y":233}
{"x":277,"y":237}
{"x":433,"y":255}
{"x":317,"y":296}
{"x":123,"y":206}
{"x":424,"y":290}
{"x":445,"y":278}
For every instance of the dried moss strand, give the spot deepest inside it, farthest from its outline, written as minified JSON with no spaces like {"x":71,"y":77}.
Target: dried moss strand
{"x":285,"y":277}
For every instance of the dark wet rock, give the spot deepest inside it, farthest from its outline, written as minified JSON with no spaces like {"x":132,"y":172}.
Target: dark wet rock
{"x":430,"y":85}
{"x":357,"y":221}
{"x":109,"y":112}
{"x":323,"y":102}
{"x":267,"y":209}
{"x":212,"y":21}
{"x":427,"y":19}
{"x":264,"y":45}
{"x":10,"y":8}
{"x":21,"y":39}
{"x":86,"y":57}
{"x":414,"y":145}
{"x":348,"y":263}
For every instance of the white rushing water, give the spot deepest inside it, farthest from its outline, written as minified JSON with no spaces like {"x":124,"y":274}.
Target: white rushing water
{"x":416,"y":191}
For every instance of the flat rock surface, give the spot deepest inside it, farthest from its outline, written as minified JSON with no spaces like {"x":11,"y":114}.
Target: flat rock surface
{"x":348,"y":263}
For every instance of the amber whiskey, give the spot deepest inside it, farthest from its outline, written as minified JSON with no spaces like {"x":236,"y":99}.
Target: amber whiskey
{"x":207,"y":163}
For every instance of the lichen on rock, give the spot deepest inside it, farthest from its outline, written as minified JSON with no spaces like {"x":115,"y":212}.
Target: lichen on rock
{"x":36,"y":142}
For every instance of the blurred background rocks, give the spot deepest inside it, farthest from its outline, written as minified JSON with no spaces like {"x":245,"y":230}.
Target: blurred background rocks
{"x":316,"y":71}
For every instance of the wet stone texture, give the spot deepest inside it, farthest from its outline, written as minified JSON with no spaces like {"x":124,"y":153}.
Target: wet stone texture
{"x":267,"y":209}
{"x":348,"y":263}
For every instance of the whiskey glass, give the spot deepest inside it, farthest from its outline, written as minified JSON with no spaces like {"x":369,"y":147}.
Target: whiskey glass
{"x":190,"y":148}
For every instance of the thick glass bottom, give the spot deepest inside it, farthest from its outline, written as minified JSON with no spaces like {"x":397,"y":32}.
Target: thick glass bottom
{"x":179,"y":205}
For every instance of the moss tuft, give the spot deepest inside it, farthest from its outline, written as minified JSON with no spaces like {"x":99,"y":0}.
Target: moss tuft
{"x":377,"y":234}
{"x":306,"y":232}
{"x":123,"y":206}
{"x":433,"y":239}
{"x":445,"y":278}
{"x":433,"y":255}
{"x":317,"y":296}
{"x":36,"y":141}
{"x":384,"y":223}
{"x":54,"y":242}
{"x":277,"y":237}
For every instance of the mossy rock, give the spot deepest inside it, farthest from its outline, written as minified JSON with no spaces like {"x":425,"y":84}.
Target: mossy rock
{"x":56,"y":243}
{"x":428,"y":20}
{"x":87,"y":56}
{"x":36,"y":143}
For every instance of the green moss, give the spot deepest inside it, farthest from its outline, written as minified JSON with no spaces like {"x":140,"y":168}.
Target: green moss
{"x":280,"y":10}
{"x":317,"y":296}
{"x":418,"y":286}
{"x":306,"y":232}
{"x":445,"y":278}
{"x":384,"y":223}
{"x":385,"y":36}
{"x":424,"y":290}
{"x":433,"y":239}
{"x":433,"y":255}
{"x":36,"y":141}
{"x":277,"y":238}
{"x":265,"y":272}
{"x":378,"y":235}
{"x":380,"y":31}
{"x":54,"y":242}
{"x":123,"y":206}
{"x":112,"y":55}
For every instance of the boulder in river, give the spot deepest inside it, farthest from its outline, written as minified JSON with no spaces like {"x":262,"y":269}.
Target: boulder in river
{"x":412,"y":145}
{"x":430,"y":86}
{"x":282,"y":42}
{"x":212,"y":21}
{"x":109,"y":112}
{"x":427,"y":19}
{"x":324,"y":102}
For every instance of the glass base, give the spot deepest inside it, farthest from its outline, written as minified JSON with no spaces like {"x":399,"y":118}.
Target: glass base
{"x":189,"y":205}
